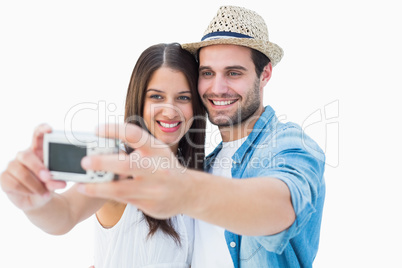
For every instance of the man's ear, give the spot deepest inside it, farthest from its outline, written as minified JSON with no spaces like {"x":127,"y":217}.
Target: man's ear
{"x":266,"y":74}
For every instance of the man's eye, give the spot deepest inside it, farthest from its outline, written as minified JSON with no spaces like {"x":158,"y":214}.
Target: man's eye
{"x":234,"y":73}
{"x":207,"y":73}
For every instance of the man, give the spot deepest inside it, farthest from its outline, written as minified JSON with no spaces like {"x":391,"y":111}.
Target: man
{"x":236,"y":60}
{"x":270,"y":219}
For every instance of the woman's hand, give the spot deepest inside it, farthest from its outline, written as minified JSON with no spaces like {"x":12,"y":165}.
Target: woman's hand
{"x":26,"y":181}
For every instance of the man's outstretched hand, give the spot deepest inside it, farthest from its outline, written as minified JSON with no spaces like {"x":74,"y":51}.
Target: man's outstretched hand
{"x":151,"y":177}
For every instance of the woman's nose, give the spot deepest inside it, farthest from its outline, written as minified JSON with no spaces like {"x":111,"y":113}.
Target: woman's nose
{"x":169,"y":111}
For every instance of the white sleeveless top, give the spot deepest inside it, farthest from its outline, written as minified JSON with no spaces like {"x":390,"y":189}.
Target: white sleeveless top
{"x":126,"y":245}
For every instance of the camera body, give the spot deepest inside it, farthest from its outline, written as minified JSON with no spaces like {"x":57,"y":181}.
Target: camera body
{"x":62,"y":155}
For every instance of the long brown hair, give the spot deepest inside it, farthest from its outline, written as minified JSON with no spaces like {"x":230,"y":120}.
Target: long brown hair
{"x":191,"y":146}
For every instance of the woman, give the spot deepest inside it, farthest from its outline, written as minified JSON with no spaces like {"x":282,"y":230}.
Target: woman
{"x":162,"y":98}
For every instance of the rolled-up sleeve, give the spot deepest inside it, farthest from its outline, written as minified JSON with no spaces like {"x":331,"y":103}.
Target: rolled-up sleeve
{"x":294,"y":158}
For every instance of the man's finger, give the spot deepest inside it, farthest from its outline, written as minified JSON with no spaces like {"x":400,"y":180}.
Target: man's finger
{"x":132,"y":135}
{"x":111,"y":162}
{"x":111,"y":190}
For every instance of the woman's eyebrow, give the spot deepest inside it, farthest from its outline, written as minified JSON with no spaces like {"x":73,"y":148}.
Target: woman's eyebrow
{"x":157,"y":90}
{"x":183,"y":92}
{"x":161,"y":91}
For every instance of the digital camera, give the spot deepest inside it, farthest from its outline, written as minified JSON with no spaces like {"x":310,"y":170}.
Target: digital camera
{"x":62,"y":155}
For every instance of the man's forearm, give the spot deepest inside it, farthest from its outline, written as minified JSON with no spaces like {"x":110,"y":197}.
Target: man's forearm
{"x":254,"y":206}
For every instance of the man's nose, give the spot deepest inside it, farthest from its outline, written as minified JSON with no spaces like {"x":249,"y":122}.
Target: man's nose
{"x":219,"y":85}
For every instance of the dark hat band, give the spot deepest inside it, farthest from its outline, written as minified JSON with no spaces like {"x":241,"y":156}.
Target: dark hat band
{"x":219,"y":35}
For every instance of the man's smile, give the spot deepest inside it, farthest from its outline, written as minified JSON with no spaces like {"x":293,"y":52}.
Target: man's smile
{"x":222,"y":103}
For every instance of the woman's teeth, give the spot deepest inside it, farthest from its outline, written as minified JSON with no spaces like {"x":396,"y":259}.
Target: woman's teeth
{"x":169,"y":125}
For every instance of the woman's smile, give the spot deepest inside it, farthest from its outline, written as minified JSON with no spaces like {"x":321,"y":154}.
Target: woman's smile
{"x":167,"y":126}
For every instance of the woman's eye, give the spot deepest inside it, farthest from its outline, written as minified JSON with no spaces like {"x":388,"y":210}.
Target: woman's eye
{"x":158,"y":97}
{"x":184,"y":98}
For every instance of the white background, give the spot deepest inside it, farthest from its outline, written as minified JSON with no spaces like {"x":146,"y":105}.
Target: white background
{"x":339,"y":79}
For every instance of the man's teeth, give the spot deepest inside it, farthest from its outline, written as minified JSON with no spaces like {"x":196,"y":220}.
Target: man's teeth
{"x":169,"y":125}
{"x":222,"y":102}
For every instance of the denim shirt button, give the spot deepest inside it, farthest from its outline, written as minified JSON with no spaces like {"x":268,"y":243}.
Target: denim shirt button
{"x":232,"y":244}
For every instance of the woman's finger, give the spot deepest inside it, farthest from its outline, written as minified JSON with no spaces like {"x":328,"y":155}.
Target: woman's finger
{"x":37,"y":139}
{"x":26,"y":177}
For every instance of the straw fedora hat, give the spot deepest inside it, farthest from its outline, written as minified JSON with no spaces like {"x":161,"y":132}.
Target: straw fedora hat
{"x":238,"y":26}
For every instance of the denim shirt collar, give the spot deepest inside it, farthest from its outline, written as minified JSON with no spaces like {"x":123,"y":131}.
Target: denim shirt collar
{"x":238,"y":157}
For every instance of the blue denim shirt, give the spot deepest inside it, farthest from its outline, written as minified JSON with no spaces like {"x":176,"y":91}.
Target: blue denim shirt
{"x":285,"y":152}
